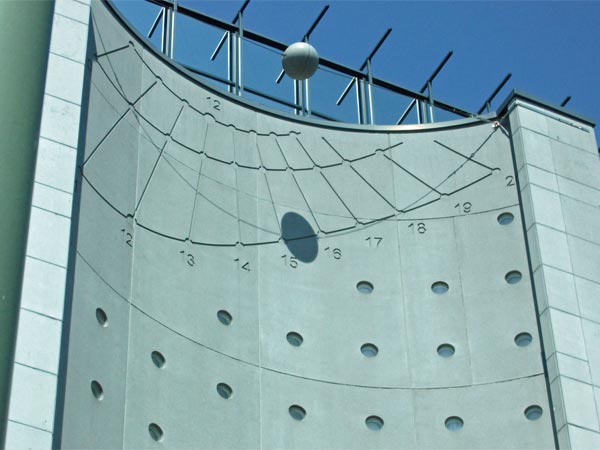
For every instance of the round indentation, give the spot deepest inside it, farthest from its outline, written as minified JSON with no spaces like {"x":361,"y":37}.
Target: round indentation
{"x":369,"y":350}
{"x":156,"y":432}
{"x":523,"y":339}
{"x":533,"y":412}
{"x":374,"y":423}
{"x":295,"y":339}
{"x":513,"y":277}
{"x":440,"y":287}
{"x":101,"y":317}
{"x":454,"y":423}
{"x":446,"y":350}
{"x":97,"y":390}
{"x":224,"y":390}
{"x":297,"y":412}
{"x":364,"y":287}
{"x":158,"y":359}
{"x":224,"y":317}
{"x":505,"y":218}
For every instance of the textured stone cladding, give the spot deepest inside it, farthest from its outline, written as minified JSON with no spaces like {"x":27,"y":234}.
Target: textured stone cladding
{"x":195,"y":210}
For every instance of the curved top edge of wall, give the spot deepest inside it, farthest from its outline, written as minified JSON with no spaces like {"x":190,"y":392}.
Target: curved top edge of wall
{"x":246,"y":103}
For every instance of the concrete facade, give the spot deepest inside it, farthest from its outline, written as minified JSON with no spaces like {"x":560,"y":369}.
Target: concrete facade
{"x":230,"y":270}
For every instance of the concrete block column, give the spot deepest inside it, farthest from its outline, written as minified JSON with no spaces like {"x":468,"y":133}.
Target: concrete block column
{"x":34,"y":381}
{"x":559,"y":174}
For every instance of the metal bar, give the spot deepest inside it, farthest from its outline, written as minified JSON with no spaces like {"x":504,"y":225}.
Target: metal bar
{"x":155,"y":23}
{"x":239,"y":50}
{"x":232,"y":61}
{"x":565,"y":101}
{"x":208,"y":75}
{"x":306,"y":98}
{"x":419,"y":119}
{"x":173,"y":16}
{"x":431,"y":101}
{"x":280,"y":77}
{"x":437,"y":71}
{"x":491,"y":97}
{"x":406,"y":112}
{"x":370,"y":93}
{"x":315,"y":23}
{"x":164,"y":31}
{"x":240,"y":11}
{"x":379,"y":44}
{"x":346,"y":90}
{"x":219,"y":45}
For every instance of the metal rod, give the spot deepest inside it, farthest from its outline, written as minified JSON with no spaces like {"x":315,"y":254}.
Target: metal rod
{"x":219,"y":45}
{"x":431,"y":101}
{"x":437,"y":71}
{"x":173,"y":15}
{"x":239,"y":48}
{"x":370,"y":93}
{"x":315,"y":23}
{"x":379,"y":44}
{"x":222,"y":41}
{"x":418,"y":103}
{"x":491,"y":97}
{"x":424,"y":87}
{"x":306,"y":98}
{"x":565,"y":101}
{"x":406,"y":112}
{"x":240,"y":11}
{"x":155,"y":23}
{"x":280,"y":77}
{"x":346,"y":90}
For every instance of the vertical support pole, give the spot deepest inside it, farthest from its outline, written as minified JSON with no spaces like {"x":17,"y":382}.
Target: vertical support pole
{"x":430,"y":91}
{"x":370,"y":92}
{"x":172,"y":36}
{"x":418,"y":108}
{"x":167,"y":31}
{"x":240,"y":84}
{"x":306,"y":98}
{"x":361,"y":101}
{"x":24,"y":44}
{"x":232,"y":61}
{"x":299,"y":98}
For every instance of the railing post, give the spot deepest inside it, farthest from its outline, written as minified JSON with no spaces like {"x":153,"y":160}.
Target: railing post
{"x":431,"y":101}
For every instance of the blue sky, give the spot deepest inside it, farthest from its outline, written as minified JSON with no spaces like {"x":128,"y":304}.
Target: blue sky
{"x":551,"y":48}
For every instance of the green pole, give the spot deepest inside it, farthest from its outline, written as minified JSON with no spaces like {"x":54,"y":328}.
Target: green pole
{"x":24,"y":43}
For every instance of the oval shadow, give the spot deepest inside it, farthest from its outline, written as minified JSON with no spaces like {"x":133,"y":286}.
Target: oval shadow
{"x":299,"y":237}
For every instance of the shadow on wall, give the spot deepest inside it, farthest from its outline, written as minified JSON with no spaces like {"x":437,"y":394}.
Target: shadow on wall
{"x":299,"y":237}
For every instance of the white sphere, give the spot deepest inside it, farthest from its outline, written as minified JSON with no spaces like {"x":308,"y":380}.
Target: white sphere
{"x":300,"y":61}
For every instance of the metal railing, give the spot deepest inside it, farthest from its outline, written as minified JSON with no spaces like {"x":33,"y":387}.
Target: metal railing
{"x":362,"y":80}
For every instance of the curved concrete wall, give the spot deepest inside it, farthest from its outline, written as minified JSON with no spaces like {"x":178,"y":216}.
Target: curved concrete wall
{"x":192,"y":202}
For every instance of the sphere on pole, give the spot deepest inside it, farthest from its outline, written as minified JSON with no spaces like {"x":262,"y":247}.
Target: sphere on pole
{"x":300,"y":61}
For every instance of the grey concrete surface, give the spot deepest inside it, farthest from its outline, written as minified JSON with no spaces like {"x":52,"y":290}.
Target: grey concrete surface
{"x":193,"y":203}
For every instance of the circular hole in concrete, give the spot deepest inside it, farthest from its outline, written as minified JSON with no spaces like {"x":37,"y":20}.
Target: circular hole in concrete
{"x":369,"y":350}
{"x":224,"y":390}
{"x":101,"y":317}
{"x":513,"y":277}
{"x":454,"y":423}
{"x":523,"y":339}
{"x":446,"y":350}
{"x":295,"y":339}
{"x":224,"y":317}
{"x":364,"y":287}
{"x":297,"y":412}
{"x":158,"y":359}
{"x":156,"y":432}
{"x":505,"y":218}
{"x":440,"y":287}
{"x":533,"y":412}
{"x":97,"y":390}
{"x":374,"y":423}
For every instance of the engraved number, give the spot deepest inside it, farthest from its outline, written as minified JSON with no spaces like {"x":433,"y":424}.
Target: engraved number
{"x":464,"y":207}
{"x":188,"y":258}
{"x":510,"y":180}
{"x":127,"y":237}
{"x":420,"y":227}
{"x":374,"y":241}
